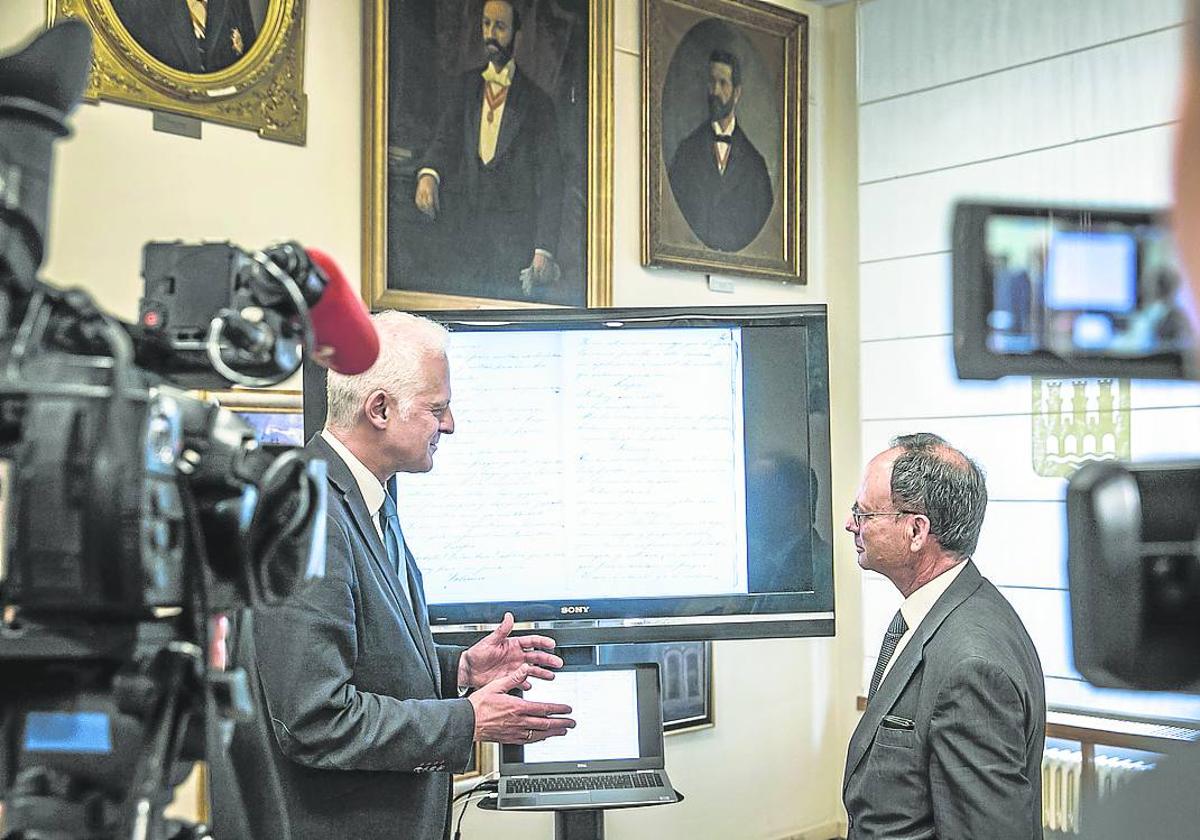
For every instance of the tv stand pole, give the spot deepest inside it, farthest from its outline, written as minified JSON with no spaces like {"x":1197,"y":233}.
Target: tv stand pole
{"x":582,"y":824}
{"x":579,"y":823}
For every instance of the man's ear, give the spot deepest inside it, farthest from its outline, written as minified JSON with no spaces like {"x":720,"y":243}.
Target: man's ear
{"x":377,"y":409}
{"x":918,"y":531}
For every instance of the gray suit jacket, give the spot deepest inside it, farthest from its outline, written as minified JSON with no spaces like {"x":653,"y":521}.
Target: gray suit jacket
{"x":950,"y":747}
{"x":364,"y":742}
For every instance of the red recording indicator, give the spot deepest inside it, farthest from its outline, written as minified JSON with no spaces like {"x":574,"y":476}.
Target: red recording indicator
{"x":152,"y":318}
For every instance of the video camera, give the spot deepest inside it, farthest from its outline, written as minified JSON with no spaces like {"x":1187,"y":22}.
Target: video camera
{"x":132,"y":510}
{"x":1071,"y":292}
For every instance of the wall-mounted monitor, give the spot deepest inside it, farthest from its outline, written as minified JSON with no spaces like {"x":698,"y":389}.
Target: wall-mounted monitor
{"x":628,"y":475}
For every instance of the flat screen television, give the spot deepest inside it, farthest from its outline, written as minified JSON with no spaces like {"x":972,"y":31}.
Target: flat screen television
{"x":627,"y":475}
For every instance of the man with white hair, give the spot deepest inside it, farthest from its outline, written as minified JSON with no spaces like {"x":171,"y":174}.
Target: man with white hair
{"x":369,"y":715}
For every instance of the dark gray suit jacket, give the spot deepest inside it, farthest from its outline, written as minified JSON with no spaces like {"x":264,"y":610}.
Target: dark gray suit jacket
{"x":950,"y":747}
{"x":354,"y":683}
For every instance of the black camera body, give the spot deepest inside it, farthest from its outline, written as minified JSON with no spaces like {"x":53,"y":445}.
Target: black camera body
{"x":131,"y":510}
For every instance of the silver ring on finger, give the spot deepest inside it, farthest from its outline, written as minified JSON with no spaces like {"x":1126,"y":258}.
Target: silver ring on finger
{"x":528,"y":734}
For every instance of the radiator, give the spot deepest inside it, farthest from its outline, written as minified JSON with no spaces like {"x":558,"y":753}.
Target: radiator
{"x":1061,"y":771}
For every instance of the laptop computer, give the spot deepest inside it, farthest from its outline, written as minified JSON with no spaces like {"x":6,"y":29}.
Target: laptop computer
{"x":613,"y":758}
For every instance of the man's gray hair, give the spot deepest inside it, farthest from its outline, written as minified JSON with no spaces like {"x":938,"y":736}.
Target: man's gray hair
{"x":406,"y":342}
{"x":932,"y":477}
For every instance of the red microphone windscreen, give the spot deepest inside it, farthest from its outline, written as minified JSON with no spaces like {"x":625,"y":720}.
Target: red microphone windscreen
{"x":341,"y":322}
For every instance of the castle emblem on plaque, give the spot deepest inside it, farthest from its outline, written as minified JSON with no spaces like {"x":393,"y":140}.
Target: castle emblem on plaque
{"x":1079,"y":420}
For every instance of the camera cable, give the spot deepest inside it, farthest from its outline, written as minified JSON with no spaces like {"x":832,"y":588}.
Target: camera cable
{"x":489,"y":786}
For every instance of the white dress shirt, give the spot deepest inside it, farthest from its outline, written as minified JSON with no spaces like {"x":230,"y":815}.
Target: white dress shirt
{"x":723,"y":146}
{"x":489,"y":130}
{"x":372,"y":493}
{"x":917,"y":605}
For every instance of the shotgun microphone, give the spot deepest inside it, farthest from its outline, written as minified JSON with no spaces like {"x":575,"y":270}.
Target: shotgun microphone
{"x":345,"y":338}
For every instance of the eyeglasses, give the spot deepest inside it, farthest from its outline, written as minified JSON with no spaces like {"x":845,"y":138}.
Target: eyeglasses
{"x":859,"y":515}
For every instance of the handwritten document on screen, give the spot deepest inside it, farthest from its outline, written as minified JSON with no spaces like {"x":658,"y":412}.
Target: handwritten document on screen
{"x":585,"y":464}
{"x":604,"y":708}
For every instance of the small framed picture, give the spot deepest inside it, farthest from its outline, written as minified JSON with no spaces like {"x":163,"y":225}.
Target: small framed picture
{"x":236,"y":62}
{"x":724,"y":87}
{"x":277,"y":416}
{"x":685,"y":669}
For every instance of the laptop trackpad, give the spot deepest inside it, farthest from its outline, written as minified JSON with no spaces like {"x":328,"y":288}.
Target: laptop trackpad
{"x":563,"y":800}
{"x":518,"y":801}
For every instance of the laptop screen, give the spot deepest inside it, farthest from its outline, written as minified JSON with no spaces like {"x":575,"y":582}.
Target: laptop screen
{"x":618,"y":716}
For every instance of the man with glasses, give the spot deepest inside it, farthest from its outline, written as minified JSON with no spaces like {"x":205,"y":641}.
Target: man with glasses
{"x":951,"y":741}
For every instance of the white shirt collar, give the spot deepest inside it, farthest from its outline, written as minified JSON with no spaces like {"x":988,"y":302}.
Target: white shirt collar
{"x":370,"y":487}
{"x":716,"y":127}
{"x":505,"y":73}
{"x":917,"y":605}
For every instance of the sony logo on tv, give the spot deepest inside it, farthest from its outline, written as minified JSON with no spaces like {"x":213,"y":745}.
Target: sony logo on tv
{"x":576,"y":610}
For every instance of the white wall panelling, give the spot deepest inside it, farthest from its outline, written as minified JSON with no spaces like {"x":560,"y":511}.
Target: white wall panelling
{"x":908,"y":45}
{"x":905,"y":296}
{"x":1071,"y":102}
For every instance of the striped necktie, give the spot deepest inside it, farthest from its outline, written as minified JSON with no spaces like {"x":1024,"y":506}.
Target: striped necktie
{"x":198,"y":11}
{"x":890,"y":639}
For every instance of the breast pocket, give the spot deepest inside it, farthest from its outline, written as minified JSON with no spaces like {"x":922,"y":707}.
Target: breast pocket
{"x":897,"y":765}
{"x":897,"y":731}
{"x":891,"y":734}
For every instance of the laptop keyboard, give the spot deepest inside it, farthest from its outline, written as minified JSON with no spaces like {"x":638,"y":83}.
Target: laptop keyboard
{"x":592,"y":781}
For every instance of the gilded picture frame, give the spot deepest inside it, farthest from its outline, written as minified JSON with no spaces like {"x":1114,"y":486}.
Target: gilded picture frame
{"x":413,"y":261}
{"x":256,"y":55}
{"x":277,"y":415}
{"x":483,"y":762}
{"x":730,"y":201}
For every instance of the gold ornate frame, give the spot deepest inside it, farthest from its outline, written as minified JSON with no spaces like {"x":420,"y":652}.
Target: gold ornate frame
{"x":791,"y":28}
{"x":271,"y":400}
{"x":598,"y":224}
{"x":263,"y":401}
{"x":263,"y":90}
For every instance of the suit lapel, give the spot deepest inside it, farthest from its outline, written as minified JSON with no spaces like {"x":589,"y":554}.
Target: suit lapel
{"x":514,"y":115}
{"x":343,"y":480}
{"x":416,"y":585}
{"x":905,"y":666}
{"x":345,"y":483}
{"x":415,"y":612}
{"x":473,"y":102}
{"x":737,"y":151}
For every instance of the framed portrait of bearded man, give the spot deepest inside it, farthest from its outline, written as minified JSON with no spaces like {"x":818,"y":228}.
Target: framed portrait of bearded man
{"x":488,"y":153}
{"x":234,"y":62}
{"x":724,"y":89}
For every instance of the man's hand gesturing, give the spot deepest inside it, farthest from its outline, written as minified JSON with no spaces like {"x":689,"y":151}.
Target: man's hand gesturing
{"x":498,"y":654}
{"x":501,"y":717}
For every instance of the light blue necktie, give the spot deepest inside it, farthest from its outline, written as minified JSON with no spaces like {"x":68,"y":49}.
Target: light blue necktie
{"x":393,"y":541}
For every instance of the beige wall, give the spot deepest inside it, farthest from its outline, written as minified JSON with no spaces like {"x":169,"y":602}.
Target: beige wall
{"x":771,"y":767}
{"x":119,"y":184}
